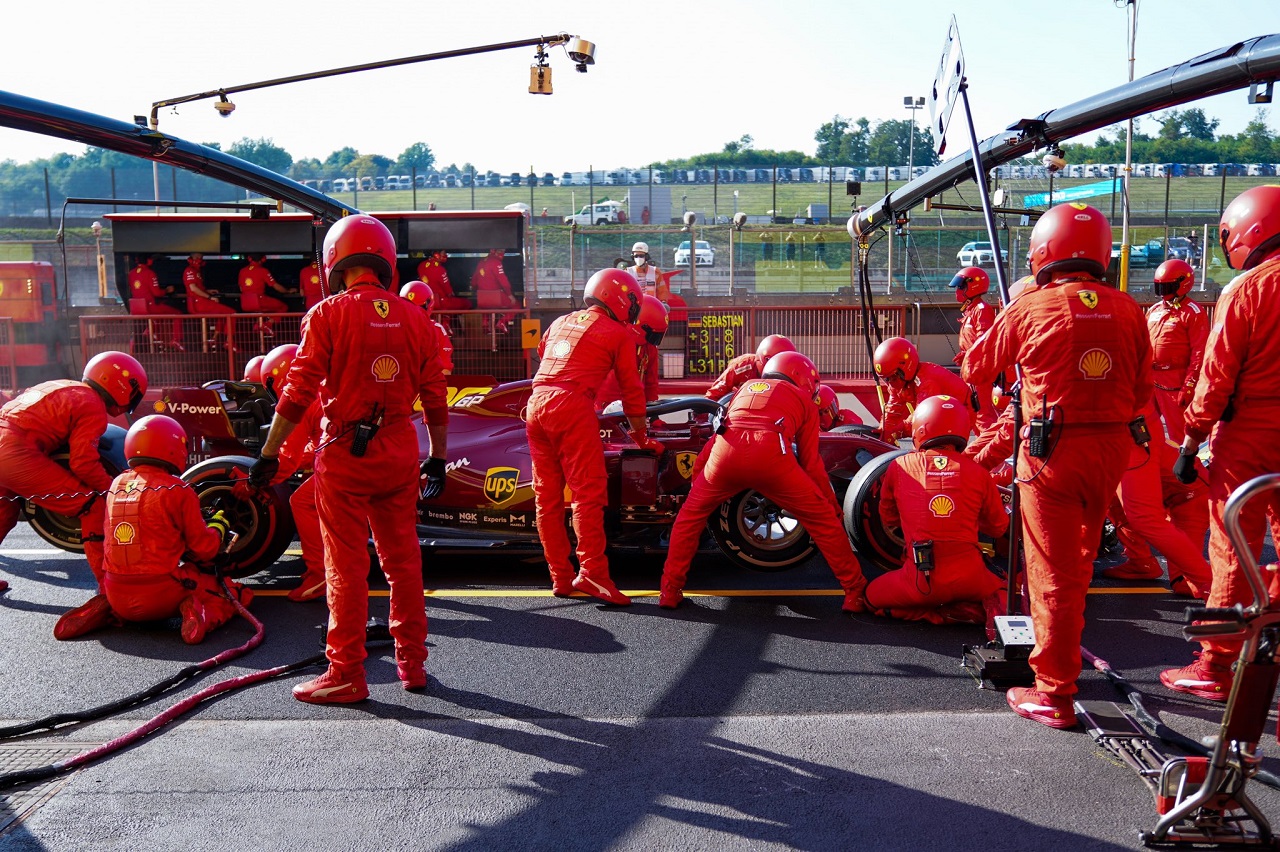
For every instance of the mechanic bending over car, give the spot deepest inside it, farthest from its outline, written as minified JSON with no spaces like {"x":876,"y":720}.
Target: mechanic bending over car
{"x":748,"y":366}
{"x":941,"y":500}
{"x":153,"y":521}
{"x":1237,"y":400}
{"x":912,"y":381}
{"x":650,"y":328}
{"x":577,"y":352}
{"x":66,"y":413}
{"x":366,"y":354}
{"x":1086,"y":377}
{"x":830,"y":414}
{"x":766,"y":418}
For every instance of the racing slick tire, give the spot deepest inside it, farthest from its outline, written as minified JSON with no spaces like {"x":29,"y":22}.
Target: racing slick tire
{"x":871,"y":540}
{"x":857,"y":429}
{"x":63,"y":531}
{"x":755,"y":534}
{"x":264,"y":523}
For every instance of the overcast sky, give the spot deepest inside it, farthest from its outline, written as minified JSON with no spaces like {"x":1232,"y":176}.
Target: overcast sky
{"x":671,"y":79}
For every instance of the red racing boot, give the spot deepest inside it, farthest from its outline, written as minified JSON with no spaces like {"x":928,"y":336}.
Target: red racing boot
{"x":601,"y":588}
{"x":93,"y":614}
{"x":562,"y":583}
{"x":1133,"y":569}
{"x":4,"y":586}
{"x":1199,"y":680}
{"x":1055,"y":711}
{"x":413,"y":676}
{"x":994,"y":604}
{"x":334,"y":687}
{"x":855,"y":599}
{"x":670,"y":597}
{"x":311,"y":586}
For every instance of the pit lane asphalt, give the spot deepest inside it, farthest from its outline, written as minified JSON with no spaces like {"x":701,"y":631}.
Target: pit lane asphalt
{"x":763,"y":719}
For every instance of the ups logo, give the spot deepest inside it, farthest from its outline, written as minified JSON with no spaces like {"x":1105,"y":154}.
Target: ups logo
{"x":500,"y":484}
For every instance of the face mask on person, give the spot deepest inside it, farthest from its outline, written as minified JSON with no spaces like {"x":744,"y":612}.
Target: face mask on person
{"x":640,"y":259}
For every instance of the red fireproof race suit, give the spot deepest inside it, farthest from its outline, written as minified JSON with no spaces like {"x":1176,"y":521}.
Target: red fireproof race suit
{"x":309,"y":284}
{"x":39,"y":422}
{"x":1086,"y":360}
{"x":976,"y":317}
{"x":930,"y":380}
{"x":1179,"y":329}
{"x":1187,"y":507}
{"x":766,"y":417}
{"x":741,"y":369}
{"x":144,"y":285}
{"x":844,"y":417}
{"x":491,"y":288}
{"x":193,"y":280}
{"x":437,"y":278}
{"x":153,"y":520}
{"x":255,"y":279}
{"x":1239,"y":391}
{"x":445,"y":345}
{"x":938,"y":496}
{"x":647,"y":361}
{"x":367,"y":353}
{"x":1142,"y":502}
{"x":577,"y":352}
{"x":298,"y":452}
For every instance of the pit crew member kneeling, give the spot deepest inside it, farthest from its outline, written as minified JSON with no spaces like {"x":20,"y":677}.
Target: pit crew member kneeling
{"x":153,"y":522}
{"x":941,"y":500}
{"x":766,"y":418}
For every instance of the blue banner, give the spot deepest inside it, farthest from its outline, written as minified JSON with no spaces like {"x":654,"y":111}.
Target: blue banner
{"x":1071,"y":193}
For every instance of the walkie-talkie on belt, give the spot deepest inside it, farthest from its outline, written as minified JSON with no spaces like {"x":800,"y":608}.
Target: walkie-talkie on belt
{"x":1038,"y":432}
{"x":365,"y":430}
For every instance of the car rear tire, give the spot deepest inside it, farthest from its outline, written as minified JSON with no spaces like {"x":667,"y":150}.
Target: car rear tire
{"x":63,"y":531}
{"x":881,"y":546}
{"x":754,"y":533}
{"x":265,"y":523}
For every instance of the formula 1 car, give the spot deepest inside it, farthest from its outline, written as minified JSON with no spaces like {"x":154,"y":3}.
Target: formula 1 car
{"x":488,"y":505}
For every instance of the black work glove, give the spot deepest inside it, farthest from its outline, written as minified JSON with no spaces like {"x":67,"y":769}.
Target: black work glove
{"x":263,"y":471}
{"x":432,"y":477}
{"x":1185,"y":467}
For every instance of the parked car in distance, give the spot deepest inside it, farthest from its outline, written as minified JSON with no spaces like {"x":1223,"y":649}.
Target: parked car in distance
{"x":1137,"y":255}
{"x":979,"y":254}
{"x":1183,"y":249}
{"x":604,"y":213}
{"x":706,"y":254}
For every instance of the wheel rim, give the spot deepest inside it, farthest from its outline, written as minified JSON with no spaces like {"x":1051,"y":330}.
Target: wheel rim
{"x":766,"y":526}
{"x":242,"y":515}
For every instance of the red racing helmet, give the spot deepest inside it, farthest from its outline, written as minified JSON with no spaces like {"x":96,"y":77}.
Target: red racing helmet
{"x":897,"y":357}
{"x":1250,"y":227}
{"x":828,"y":408}
{"x":253,"y":369}
{"x":617,"y":291}
{"x":1069,"y":238}
{"x":275,"y":366}
{"x":774,"y":344}
{"x":970,"y":282}
{"x":652,"y":319}
{"x":940,"y":420}
{"x":159,"y":440}
{"x":420,"y":293}
{"x":794,"y":368}
{"x":119,"y":378}
{"x":1174,"y":278}
{"x":359,"y":240}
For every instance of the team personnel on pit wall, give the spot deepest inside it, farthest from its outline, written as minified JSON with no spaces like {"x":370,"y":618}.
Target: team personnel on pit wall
{"x":650,"y":328}
{"x":830,"y":414}
{"x":576,"y":353}
{"x":766,"y":418}
{"x":941,"y":500}
{"x":1237,"y":399}
{"x":421,"y":294}
{"x":492,"y":289}
{"x":200,"y":300}
{"x":648,"y":276}
{"x":1179,"y":329}
{"x":254,"y":279}
{"x":309,"y":285}
{"x":298,"y":453}
{"x":432,"y":270}
{"x":911,"y":381}
{"x":366,"y":353}
{"x":1140,"y":500}
{"x":748,"y":367}
{"x":66,"y":413}
{"x":1086,"y":373}
{"x":154,"y":535}
{"x":977,"y":316}
{"x":144,"y":285}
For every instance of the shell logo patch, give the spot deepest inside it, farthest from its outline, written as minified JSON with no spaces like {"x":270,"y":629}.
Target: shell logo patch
{"x":684,"y":464}
{"x":1095,"y":364}
{"x":561,"y":349}
{"x":500,"y":484}
{"x":942,"y":506}
{"x":315,"y":279}
{"x":940,"y":462}
{"x":158,"y":406}
{"x":757,"y":387}
{"x":1089,"y":297}
{"x":382,"y":307}
{"x":385,"y":368}
{"x":124,"y":533}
